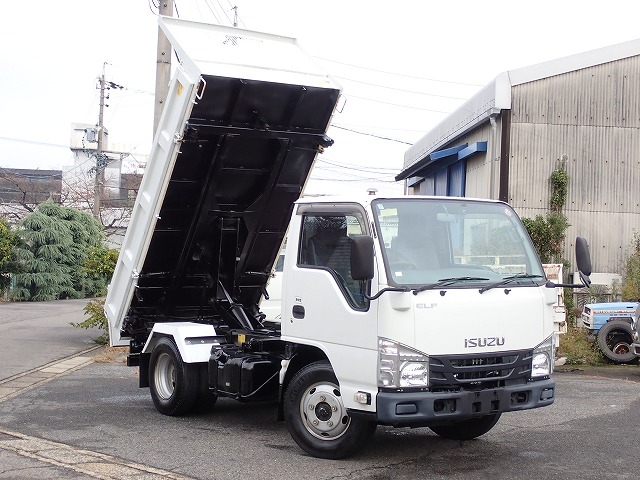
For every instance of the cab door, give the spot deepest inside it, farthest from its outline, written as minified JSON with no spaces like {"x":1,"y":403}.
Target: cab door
{"x":323,"y":304}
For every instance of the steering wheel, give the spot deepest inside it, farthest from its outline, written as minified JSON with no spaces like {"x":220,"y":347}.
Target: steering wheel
{"x":399,"y":261}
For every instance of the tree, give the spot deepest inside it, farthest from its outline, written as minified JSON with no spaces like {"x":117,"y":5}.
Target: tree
{"x":8,"y":266}
{"x":116,"y":202}
{"x":56,"y":243}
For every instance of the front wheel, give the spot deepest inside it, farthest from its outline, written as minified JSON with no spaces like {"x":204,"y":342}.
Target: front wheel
{"x":316,"y":417}
{"x":467,"y":429}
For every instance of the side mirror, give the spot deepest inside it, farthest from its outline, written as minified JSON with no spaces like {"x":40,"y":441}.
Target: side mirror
{"x":361,"y":257}
{"x":583,"y":259}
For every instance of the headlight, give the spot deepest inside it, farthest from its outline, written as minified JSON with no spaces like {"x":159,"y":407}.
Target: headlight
{"x":542,"y":361}
{"x":400,"y":366}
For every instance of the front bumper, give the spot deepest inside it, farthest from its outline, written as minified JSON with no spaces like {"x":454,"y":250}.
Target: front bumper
{"x":415,"y":409}
{"x":635,"y":348}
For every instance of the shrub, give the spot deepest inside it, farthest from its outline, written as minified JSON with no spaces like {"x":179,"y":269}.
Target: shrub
{"x":99,"y":266}
{"x":547,"y":234}
{"x":575,"y":345}
{"x":97,"y":319}
{"x":8,"y":266}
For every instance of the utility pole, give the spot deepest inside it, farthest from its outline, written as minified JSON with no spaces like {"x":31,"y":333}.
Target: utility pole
{"x":163,"y":65}
{"x":100,"y":164}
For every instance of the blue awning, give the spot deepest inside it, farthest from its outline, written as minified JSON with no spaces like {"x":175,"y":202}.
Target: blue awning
{"x":447,"y":152}
{"x":471,"y":149}
{"x":441,"y":159}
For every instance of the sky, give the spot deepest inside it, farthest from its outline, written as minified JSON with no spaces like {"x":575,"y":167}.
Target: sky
{"x":403,"y":66}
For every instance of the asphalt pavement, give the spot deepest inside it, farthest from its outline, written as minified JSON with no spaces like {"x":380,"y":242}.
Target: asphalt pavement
{"x":64,"y":414}
{"x":33,"y":334}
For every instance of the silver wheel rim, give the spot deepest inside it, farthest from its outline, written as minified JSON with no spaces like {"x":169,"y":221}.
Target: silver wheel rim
{"x":165,"y":376}
{"x":621,"y":348}
{"x":323,"y":413}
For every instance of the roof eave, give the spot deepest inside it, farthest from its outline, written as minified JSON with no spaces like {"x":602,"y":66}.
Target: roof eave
{"x":496,"y":96}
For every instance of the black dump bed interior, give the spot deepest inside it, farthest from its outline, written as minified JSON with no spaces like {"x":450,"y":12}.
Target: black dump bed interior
{"x":244,"y":159}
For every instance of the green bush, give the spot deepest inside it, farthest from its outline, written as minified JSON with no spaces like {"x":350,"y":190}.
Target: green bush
{"x":547,"y":234}
{"x":97,"y":319}
{"x":9,"y":240}
{"x":99,"y":266}
{"x":575,"y":345}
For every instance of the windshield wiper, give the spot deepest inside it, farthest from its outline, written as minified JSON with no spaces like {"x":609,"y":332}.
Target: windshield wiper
{"x":443,"y":282}
{"x":512,"y":278}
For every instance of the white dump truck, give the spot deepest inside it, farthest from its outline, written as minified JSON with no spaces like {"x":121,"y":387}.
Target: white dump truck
{"x":408,"y":312}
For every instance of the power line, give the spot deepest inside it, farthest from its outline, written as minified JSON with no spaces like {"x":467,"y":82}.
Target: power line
{"x":365,"y":174}
{"x":213,"y":12}
{"x":224,"y":12}
{"x":399,"y":74}
{"x":371,"y":135}
{"x":33,"y":142}
{"x":152,"y":2}
{"x":400,"y":89}
{"x":351,"y":166}
{"x":362,"y":179}
{"x":378,"y":127}
{"x":397,"y":104}
{"x":385,"y":177}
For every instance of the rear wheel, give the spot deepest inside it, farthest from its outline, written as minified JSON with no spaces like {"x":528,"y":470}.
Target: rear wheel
{"x":615,"y":340}
{"x":316,"y":417}
{"x":174,"y":384}
{"x":467,"y":429}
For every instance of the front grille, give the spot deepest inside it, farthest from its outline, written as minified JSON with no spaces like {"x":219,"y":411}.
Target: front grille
{"x":480,"y":370}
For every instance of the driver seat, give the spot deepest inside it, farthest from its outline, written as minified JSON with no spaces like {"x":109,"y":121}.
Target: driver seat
{"x":415,"y":244}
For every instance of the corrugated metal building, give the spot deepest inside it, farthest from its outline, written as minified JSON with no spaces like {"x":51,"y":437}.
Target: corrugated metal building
{"x":506,"y":141}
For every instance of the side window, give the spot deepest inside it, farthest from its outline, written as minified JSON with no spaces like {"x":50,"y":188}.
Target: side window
{"x":326,"y":243}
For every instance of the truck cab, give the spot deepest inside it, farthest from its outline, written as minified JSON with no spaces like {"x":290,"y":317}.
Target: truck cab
{"x":455,"y":320}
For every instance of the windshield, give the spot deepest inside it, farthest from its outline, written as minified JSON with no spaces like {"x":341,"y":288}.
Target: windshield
{"x":454,"y":243}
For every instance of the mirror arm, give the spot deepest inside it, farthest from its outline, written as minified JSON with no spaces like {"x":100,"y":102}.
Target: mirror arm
{"x":387,"y":289}
{"x":565,"y":285}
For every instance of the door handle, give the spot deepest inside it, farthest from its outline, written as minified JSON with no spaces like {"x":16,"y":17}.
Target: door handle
{"x":298,"y":311}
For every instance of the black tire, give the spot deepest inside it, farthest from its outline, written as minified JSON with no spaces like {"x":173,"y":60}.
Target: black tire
{"x":316,"y":417}
{"x":174,"y":384}
{"x":467,"y":429}
{"x":615,"y":340}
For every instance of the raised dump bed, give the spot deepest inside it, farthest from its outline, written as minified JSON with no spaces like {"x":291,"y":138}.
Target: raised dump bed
{"x":244,"y":120}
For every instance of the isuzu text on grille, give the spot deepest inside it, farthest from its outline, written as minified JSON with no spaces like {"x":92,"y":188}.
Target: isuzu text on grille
{"x":483,"y":342}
